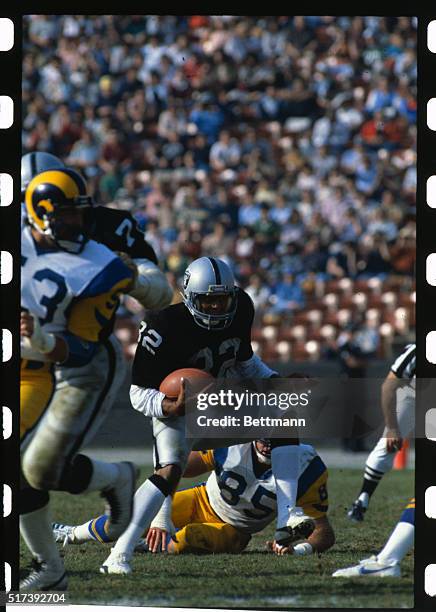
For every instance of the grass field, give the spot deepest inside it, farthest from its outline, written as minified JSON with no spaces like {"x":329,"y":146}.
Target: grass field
{"x":253,"y":578}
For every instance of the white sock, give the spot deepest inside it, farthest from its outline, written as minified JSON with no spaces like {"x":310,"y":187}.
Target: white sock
{"x":146,"y":504}
{"x":364,"y":498}
{"x":103,"y":475}
{"x":285,"y":464}
{"x":36,"y":531}
{"x":398,"y":544}
{"x":81,"y":533}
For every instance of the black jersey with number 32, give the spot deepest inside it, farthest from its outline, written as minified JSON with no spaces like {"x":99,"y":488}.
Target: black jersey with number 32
{"x":170,"y":339}
{"x":118,"y":230}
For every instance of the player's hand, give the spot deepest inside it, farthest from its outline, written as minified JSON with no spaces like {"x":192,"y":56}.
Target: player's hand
{"x":128,"y":261}
{"x":394,"y":441}
{"x":175,"y":407}
{"x":156,"y":540}
{"x":26,"y":324}
{"x":279,"y":549}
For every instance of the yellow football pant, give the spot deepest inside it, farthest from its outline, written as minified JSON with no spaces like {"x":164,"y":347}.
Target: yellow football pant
{"x":36,"y":388}
{"x":201,"y":530}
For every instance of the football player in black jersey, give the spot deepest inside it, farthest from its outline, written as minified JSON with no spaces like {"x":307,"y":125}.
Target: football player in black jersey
{"x":209,"y":330}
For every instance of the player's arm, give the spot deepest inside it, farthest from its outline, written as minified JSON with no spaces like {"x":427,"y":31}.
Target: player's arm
{"x":150,"y":287}
{"x":154,"y":360}
{"x":388,"y":400}
{"x":199,"y":462}
{"x":36,"y":340}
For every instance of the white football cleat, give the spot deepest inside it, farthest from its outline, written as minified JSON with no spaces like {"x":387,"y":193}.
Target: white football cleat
{"x":63,"y":533}
{"x":45,"y":577}
{"x":119,"y":500}
{"x":116,"y":563}
{"x":370,"y":567}
{"x":299,"y":526}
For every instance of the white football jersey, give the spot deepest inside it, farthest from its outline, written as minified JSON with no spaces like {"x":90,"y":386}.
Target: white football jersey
{"x":52,"y":279}
{"x":238,"y":495}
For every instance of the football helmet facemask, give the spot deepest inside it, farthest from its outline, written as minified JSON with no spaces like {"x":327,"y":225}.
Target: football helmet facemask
{"x":209,"y":293}
{"x":55,"y":202}
{"x":262,"y":448}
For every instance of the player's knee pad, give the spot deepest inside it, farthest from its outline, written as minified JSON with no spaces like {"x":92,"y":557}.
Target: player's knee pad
{"x":162,"y":483}
{"x":31,"y":500}
{"x":76,"y":475}
{"x":170,"y":444}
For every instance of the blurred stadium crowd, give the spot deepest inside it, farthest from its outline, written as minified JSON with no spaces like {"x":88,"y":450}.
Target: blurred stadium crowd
{"x":284,"y":145}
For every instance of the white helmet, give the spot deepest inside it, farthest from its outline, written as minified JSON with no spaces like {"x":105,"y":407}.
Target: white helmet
{"x":207,"y":276}
{"x":34,"y":163}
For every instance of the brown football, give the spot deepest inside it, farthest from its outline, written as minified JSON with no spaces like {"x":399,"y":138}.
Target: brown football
{"x":171,"y":384}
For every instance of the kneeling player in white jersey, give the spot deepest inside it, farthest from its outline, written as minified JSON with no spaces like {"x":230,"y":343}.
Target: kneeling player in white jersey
{"x":238,"y":499}
{"x":398,"y":405}
{"x":387,"y":563}
{"x":70,"y":289}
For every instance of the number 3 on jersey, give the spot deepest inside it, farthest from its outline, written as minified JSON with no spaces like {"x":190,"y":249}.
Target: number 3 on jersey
{"x":151,"y":340}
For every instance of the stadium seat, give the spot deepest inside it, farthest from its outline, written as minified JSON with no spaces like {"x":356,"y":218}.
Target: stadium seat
{"x":401,"y":320}
{"x":328,"y":332}
{"x":346,"y":285}
{"x":359,"y":300}
{"x":284,"y":350}
{"x":389,"y":298}
{"x":314,"y":317}
{"x":331,"y":301}
{"x":373,"y":315}
{"x":270,"y":332}
{"x":313,"y":350}
{"x":344,"y":317}
{"x":375,"y":284}
{"x":293,"y":332}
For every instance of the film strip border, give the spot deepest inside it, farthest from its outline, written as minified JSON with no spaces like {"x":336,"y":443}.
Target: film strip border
{"x":10,"y":149}
{"x":425,"y":467}
{"x":10,"y":152}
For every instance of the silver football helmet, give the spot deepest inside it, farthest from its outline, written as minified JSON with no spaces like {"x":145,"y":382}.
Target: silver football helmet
{"x":34,"y":163}
{"x":205,"y":278}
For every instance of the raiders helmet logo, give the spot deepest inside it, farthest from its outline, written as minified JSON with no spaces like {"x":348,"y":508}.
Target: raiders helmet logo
{"x":186,"y":279}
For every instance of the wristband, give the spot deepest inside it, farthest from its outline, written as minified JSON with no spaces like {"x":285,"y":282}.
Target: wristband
{"x":304,"y":548}
{"x":162,"y":520}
